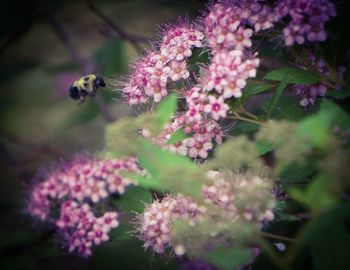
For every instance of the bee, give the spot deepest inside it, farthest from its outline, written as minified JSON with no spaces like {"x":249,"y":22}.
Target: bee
{"x":85,"y":87}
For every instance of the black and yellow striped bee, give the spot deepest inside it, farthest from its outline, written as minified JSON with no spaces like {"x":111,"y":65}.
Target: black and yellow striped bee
{"x":85,"y":87}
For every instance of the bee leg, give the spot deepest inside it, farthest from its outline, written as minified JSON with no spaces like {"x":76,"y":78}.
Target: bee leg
{"x":83,"y":95}
{"x":82,"y":101}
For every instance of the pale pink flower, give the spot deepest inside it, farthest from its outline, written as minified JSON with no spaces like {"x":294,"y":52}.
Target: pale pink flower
{"x":216,"y":108}
{"x":198,"y":148}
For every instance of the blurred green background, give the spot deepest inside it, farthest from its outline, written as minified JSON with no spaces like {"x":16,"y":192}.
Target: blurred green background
{"x":44,"y":47}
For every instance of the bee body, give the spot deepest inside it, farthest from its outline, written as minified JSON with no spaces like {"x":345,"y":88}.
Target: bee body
{"x":86,"y":86}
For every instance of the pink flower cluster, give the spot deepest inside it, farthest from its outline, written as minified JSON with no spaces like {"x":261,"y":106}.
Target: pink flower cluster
{"x":308,"y":94}
{"x":155,"y":224}
{"x":230,"y":24}
{"x":82,"y":229}
{"x":307,"y":20}
{"x":228,"y":72}
{"x":75,"y":185}
{"x":201,"y":134}
{"x":152,"y":72}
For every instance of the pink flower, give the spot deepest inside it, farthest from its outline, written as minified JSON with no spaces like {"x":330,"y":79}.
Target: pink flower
{"x":198,"y":148}
{"x":178,"y":70}
{"x":293,"y":34}
{"x":96,"y":190}
{"x":156,"y":89}
{"x":216,"y":108}
{"x":242,"y":38}
{"x":228,"y":72}
{"x":263,"y":19}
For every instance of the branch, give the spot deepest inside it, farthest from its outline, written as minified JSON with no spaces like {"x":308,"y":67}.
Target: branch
{"x":277,"y":237}
{"x":112,"y":25}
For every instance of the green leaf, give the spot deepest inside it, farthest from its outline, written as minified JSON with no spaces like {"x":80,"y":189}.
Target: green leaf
{"x":318,"y":194}
{"x":245,"y":128}
{"x":228,"y":259}
{"x":318,"y":128}
{"x":287,"y":108}
{"x":263,"y":147}
{"x":292,"y":75}
{"x":340,"y":94}
{"x":167,"y":108}
{"x":134,"y":199}
{"x":329,"y":238}
{"x":121,"y":233}
{"x":276,"y":97}
{"x":254,"y":88}
{"x":178,"y":136}
{"x":169,"y":171}
{"x":146,"y":182}
{"x":296,"y":172}
{"x":251,"y":89}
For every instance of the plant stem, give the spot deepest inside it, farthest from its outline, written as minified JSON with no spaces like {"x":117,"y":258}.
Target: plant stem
{"x":277,"y":237}
{"x":247,"y":113}
{"x":113,"y":26}
{"x":238,"y":117}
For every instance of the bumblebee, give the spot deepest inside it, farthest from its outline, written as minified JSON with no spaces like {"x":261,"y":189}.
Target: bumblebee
{"x":85,"y":87}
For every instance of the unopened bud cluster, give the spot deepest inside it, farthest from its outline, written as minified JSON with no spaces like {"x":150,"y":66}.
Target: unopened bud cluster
{"x":229,"y":196}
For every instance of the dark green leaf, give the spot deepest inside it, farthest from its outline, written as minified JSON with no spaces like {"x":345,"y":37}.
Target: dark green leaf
{"x":245,"y":128}
{"x":228,"y":259}
{"x":121,"y":233}
{"x":251,"y":89}
{"x":276,"y":97}
{"x":292,"y":75}
{"x":134,"y":199}
{"x":262,"y":147}
{"x":340,"y":94}
{"x":318,"y":194}
{"x":329,"y":238}
{"x":254,"y":88}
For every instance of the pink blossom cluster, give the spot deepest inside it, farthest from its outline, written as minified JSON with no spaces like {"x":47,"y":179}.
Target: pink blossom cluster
{"x":228,"y":72}
{"x":249,"y":197}
{"x":152,"y":72}
{"x":82,"y":229}
{"x":201,"y":136}
{"x":308,"y":94}
{"x":229,"y":25}
{"x":307,"y":20}
{"x":155,"y":224}
{"x":75,"y":185}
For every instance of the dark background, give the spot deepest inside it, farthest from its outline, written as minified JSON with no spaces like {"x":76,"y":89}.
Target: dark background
{"x":44,"y":47}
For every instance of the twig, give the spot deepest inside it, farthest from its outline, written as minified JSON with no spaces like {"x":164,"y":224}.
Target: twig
{"x":249,"y":114}
{"x":246,"y":120}
{"x":277,"y":237}
{"x":113,"y":26}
